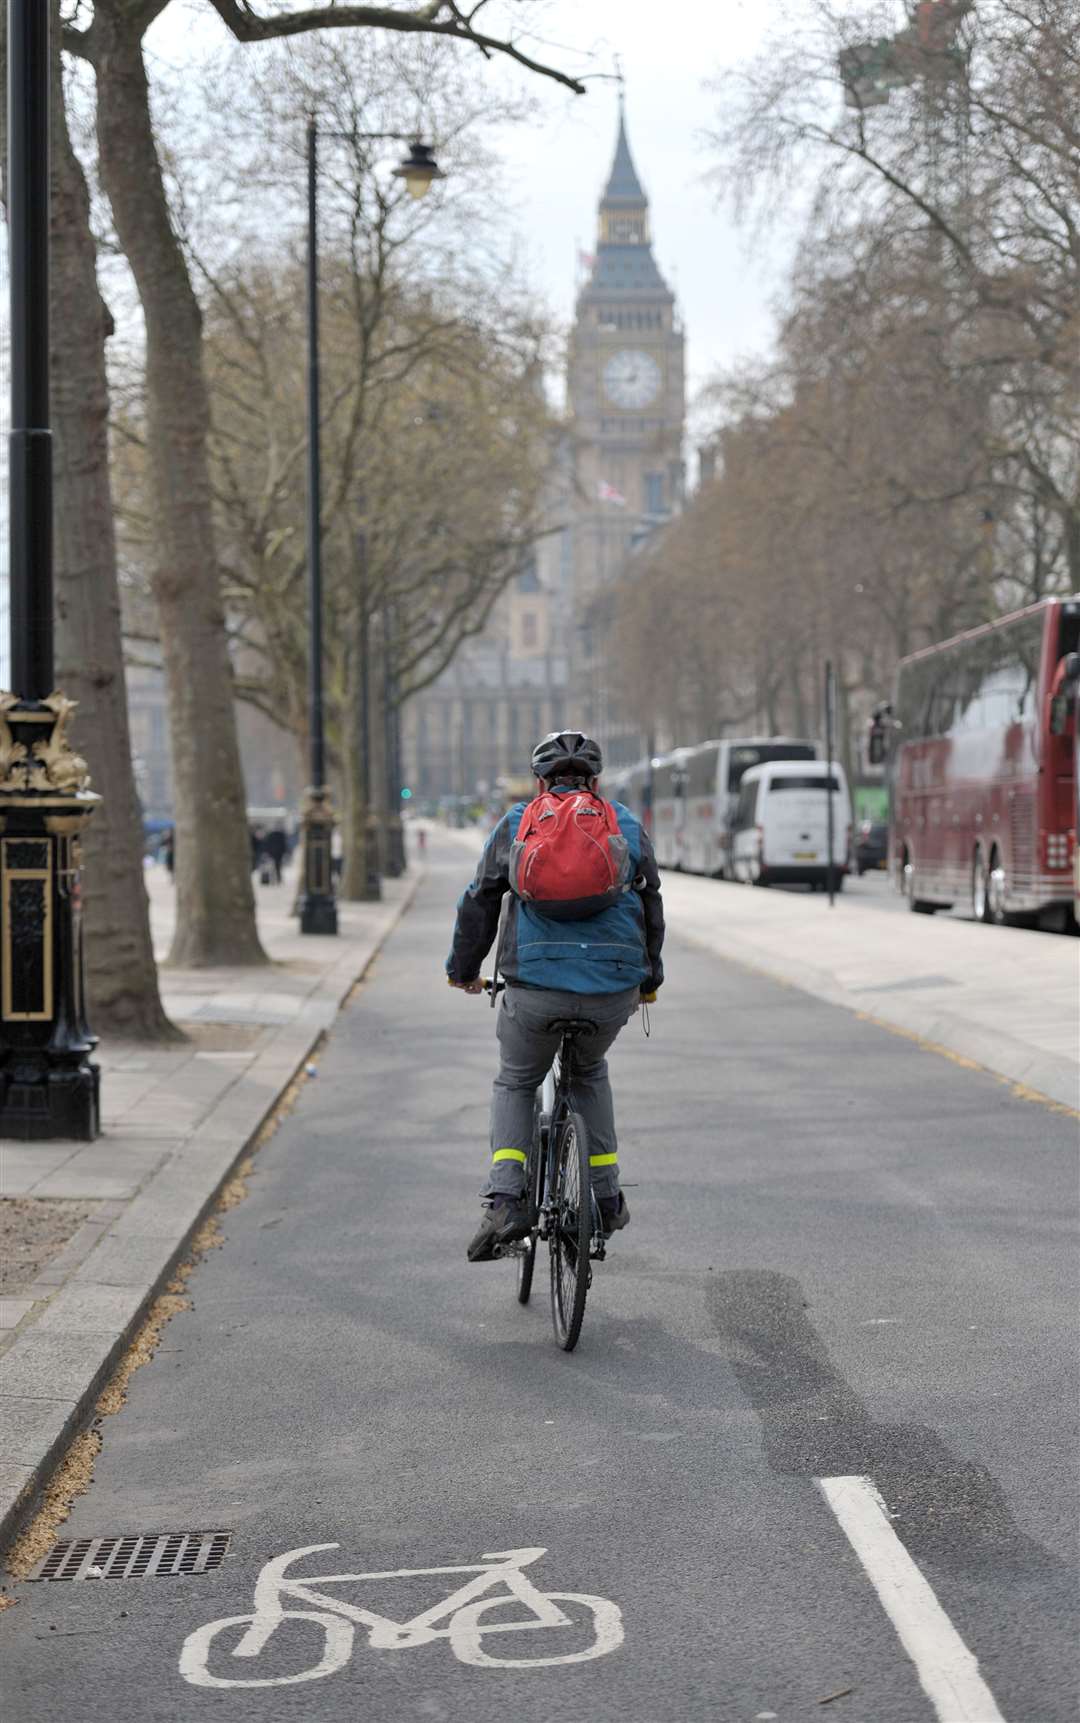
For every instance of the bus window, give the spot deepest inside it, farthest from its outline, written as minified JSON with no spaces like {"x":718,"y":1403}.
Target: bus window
{"x":701,"y":772}
{"x":741,"y":759}
{"x":980,"y":684}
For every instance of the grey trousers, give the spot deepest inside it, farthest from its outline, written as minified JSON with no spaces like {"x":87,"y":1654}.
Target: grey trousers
{"x":527,"y":1049}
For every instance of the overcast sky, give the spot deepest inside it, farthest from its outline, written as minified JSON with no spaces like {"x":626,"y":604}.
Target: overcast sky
{"x":557,"y":166}
{"x":560,"y":166}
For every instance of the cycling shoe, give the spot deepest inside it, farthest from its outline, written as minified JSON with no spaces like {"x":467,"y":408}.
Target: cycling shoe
{"x":504,"y":1219}
{"x":614,"y":1213}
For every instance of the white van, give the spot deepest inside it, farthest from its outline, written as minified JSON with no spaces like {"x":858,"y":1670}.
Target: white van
{"x":780,"y":831}
{"x":694,"y":791}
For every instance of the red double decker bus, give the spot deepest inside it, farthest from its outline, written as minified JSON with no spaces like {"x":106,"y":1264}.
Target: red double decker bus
{"x":982,"y":745}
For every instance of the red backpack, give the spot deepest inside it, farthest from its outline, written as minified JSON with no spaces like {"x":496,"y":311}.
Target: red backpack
{"x":569,"y":858}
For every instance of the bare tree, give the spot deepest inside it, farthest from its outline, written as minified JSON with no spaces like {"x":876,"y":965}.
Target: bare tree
{"x":435,"y":451}
{"x":215,"y":904}
{"x":121,"y":977}
{"x":848,"y":520}
{"x":964,"y":125}
{"x":910,"y":460}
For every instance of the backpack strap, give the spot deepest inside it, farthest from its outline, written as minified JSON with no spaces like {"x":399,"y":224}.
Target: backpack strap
{"x":528,"y":814}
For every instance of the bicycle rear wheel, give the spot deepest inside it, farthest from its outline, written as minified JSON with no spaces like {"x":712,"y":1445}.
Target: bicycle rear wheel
{"x":570,"y":1232}
{"x":526,"y":1262}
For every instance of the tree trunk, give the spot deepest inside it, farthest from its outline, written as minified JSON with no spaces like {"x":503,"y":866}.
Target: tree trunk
{"x":121,"y":976}
{"x":359,"y":874}
{"x":215,"y":916}
{"x":354,"y":836}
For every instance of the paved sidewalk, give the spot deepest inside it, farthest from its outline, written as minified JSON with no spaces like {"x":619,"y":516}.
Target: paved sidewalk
{"x":176,"y":1120}
{"x":1007,"y":998}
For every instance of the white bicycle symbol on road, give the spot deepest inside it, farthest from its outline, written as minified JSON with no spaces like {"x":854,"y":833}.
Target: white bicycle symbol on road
{"x":464,"y":1618}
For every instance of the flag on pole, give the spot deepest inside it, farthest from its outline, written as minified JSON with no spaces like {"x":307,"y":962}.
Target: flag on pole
{"x":608,"y":493}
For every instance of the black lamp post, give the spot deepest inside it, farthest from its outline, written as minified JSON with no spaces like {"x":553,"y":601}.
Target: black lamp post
{"x":318,"y":908}
{"x":48,"y":1087}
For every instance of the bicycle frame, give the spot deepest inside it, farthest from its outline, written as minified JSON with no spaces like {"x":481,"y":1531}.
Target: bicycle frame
{"x":274,"y":1590}
{"x":556,"y":1104}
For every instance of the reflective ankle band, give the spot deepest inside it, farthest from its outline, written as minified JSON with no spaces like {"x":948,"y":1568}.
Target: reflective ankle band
{"x":603,"y":1160}
{"x":513,"y":1155}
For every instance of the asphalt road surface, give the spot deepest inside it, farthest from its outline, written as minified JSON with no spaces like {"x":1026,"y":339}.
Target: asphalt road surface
{"x":849,"y":1259}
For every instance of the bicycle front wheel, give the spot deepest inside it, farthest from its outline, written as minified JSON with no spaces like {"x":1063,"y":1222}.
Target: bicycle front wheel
{"x":526,"y":1262}
{"x":570,"y":1232}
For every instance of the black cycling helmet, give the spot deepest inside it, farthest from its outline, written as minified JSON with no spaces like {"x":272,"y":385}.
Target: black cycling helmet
{"x":567,"y":751}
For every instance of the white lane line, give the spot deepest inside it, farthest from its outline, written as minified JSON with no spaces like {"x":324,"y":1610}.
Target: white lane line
{"x":946,"y":1668}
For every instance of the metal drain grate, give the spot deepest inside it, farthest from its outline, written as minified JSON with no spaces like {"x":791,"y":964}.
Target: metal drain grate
{"x":147,"y":1557}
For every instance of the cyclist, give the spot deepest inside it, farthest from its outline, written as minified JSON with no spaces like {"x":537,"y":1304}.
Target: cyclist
{"x":598,"y":969}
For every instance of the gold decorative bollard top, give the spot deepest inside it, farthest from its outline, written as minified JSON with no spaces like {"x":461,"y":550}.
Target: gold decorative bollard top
{"x":47,"y":765}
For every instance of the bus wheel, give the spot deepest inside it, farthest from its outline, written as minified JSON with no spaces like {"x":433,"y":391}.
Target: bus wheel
{"x":916,"y":905}
{"x":996,"y":890}
{"x":979,"y":893}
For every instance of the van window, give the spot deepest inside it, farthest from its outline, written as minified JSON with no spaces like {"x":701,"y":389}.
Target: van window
{"x":746,"y":812}
{"x":778,"y":784}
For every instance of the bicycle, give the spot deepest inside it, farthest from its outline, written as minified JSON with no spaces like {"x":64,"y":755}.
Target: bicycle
{"x":563,"y":1211}
{"x":458,"y":1618}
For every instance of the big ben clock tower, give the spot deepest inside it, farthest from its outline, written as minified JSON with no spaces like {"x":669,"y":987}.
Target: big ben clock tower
{"x":626,"y":385}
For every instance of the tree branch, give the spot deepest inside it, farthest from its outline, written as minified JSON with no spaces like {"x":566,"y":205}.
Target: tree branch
{"x":249,"y":26}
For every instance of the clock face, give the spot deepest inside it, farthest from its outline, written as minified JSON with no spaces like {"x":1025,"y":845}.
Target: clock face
{"x":631,"y":378}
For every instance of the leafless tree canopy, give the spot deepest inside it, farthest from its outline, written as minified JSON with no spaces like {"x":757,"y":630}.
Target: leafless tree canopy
{"x":215,"y":920}
{"x":909,"y":464}
{"x":435,"y":430}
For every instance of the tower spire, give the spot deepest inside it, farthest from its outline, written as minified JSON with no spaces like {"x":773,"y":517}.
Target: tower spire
{"x":623,"y":187}
{"x":624,"y":262}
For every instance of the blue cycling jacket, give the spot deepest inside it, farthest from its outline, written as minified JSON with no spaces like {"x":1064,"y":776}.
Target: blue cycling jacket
{"x":606,"y":953}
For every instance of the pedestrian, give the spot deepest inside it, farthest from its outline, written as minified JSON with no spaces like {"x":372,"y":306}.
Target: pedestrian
{"x":275,"y":846}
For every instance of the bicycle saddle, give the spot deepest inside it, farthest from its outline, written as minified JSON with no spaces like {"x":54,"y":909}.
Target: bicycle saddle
{"x":572,"y":1026}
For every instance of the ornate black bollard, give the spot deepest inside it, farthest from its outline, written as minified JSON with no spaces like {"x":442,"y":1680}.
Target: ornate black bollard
{"x":318,"y":903}
{"x":48,"y":1086}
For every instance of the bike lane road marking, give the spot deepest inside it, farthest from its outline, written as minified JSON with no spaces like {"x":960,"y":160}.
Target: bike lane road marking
{"x":276,"y":1590}
{"x":947,"y":1670}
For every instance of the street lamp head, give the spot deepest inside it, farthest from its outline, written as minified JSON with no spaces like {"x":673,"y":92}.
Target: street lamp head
{"x":419,"y":169}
